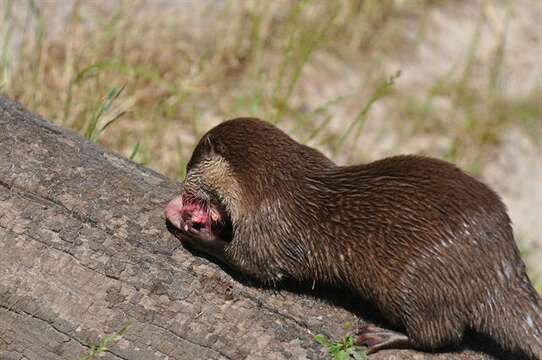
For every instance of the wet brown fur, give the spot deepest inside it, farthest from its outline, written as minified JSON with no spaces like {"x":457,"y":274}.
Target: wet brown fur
{"x":431,"y":246}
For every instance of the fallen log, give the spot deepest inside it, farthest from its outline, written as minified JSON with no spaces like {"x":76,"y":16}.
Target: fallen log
{"x":84,"y":252}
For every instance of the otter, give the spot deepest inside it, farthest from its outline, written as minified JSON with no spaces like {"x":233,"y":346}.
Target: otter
{"x":429,"y":245}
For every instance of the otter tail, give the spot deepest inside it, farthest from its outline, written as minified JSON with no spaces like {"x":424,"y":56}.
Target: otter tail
{"x":515,"y":323}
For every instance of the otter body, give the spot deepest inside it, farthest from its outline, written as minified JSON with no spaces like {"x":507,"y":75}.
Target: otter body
{"x":429,"y":245}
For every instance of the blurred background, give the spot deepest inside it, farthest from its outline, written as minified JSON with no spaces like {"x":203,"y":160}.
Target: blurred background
{"x":357,"y":79}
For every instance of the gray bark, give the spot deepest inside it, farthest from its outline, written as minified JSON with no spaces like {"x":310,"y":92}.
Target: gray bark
{"x":84,"y":249}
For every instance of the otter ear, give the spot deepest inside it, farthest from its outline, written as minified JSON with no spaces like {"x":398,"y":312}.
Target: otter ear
{"x":210,"y":146}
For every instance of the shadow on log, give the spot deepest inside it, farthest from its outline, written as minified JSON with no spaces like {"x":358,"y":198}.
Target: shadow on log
{"x":84,"y":250}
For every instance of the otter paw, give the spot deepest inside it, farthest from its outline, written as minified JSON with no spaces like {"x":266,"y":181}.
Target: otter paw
{"x":376,"y":339}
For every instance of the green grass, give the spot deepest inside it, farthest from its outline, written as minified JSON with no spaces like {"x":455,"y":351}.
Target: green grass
{"x":96,"y":126}
{"x":341,"y":349}
{"x":479,"y":112}
{"x":250,"y":61}
{"x":105,"y":342}
{"x":5,"y":35}
{"x":356,"y":125}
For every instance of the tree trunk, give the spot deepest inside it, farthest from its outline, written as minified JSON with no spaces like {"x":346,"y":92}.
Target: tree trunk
{"x":84,"y":251}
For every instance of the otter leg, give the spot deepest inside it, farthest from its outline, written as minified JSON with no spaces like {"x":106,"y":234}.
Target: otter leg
{"x":376,"y":339}
{"x":209,"y":244}
{"x":431,"y":333}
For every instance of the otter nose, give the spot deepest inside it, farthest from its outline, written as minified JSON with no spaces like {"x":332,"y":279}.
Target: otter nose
{"x":174,"y":211}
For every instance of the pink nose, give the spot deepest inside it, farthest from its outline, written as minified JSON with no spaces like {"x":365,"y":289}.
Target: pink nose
{"x":173,"y":211}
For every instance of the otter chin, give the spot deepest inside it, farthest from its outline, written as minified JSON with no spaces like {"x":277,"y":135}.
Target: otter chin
{"x":199,"y":222}
{"x":195,"y":215}
{"x":429,"y":245}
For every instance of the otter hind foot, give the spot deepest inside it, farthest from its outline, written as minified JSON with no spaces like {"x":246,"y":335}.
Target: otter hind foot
{"x":376,"y":339}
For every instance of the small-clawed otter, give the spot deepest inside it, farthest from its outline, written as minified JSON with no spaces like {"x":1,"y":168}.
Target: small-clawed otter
{"x":429,"y":245}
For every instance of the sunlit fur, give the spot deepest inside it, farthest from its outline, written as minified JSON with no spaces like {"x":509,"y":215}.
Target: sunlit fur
{"x":214,"y":173}
{"x":432,"y":247}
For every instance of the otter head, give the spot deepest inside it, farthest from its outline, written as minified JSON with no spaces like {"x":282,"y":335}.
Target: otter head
{"x":240,"y":193}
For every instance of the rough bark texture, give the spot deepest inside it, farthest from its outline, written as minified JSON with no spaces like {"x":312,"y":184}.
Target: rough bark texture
{"x":84,"y":249}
